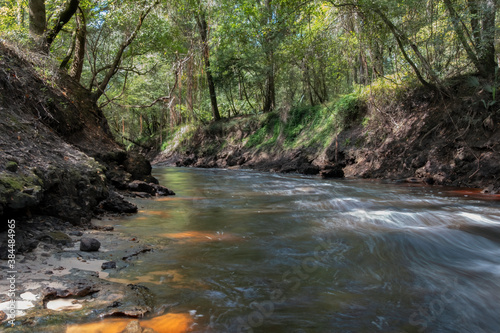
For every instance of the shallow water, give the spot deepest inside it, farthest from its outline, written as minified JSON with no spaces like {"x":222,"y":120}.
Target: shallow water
{"x":243,"y":251}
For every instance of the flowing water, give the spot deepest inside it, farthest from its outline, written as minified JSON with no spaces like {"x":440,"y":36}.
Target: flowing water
{"x":243,"y":251}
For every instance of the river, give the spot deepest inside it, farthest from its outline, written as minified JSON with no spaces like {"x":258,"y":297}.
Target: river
{"x":243,"y":251}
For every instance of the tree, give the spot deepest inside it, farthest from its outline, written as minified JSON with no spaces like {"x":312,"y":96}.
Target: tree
{"x":481,"y":49}
{"x":203,"y":27}
{"x":113,"y":68}
{"x":37,"y":21}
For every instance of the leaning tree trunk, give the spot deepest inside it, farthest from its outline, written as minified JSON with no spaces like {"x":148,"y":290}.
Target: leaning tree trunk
{"x":64,"y":16}
{"x":81,"y":36}
{"x":113,"y":69}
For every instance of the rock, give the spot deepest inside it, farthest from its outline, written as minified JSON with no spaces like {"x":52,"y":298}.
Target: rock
{"x":150,"y":188}
{"x":89,"y":244}
{"x":118,"y":177}
{"x":3,"y":316}
{"x":490,"y":190}
{"x":108,"y":265}
{"x":117,"y":204}
{"x":76,"y":233}
{"x":133,"y":327}
{"x":139,"y":167}
{"x":57,"y":237}
{"x":79,"y":289}
{"x":162,"y":190}
{"x":4,"y":253}
{"x":141,"y":186}
{"x":335,"y":171}
{"x":11,"y":166}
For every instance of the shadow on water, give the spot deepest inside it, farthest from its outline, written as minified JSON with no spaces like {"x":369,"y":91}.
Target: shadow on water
{"x":244,"y":251}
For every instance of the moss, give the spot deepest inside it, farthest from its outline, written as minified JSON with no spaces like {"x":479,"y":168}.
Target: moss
{"x":11,"y":166}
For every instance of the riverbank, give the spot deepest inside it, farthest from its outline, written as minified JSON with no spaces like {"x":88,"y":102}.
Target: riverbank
{"x":379,"y":132}
{"x":60,"y":167}
{"x":57,"y":284}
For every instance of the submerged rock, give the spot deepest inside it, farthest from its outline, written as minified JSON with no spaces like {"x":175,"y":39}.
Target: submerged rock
{"x":89,"y":244}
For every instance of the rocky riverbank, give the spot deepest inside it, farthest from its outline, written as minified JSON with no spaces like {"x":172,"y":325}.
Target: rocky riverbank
{"x":67,"y":277}
{"x":60,"y":168}
{"x":448,"y":138}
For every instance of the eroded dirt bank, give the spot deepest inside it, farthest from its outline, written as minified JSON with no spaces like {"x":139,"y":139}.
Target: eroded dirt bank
{"x":59,"y":168}
{"x":420,"y":136}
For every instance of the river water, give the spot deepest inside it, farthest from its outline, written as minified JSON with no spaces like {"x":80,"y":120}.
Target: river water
{"x":243,"y":251}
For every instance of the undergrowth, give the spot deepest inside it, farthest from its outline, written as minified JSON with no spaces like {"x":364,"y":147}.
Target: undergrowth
{"x":301,"y":126}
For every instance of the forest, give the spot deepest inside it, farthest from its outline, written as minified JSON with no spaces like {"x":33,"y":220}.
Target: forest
{"x":249,"y":166}
{"x":154,"y":66}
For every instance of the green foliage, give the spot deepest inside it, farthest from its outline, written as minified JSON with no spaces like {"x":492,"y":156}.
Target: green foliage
{"x":348,"y":108}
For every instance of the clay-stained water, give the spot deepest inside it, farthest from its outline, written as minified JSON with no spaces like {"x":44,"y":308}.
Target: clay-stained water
{"x":242,"y":251}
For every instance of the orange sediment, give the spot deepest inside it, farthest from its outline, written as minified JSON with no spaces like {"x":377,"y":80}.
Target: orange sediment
{"x":168,"y":323}
{"x":198,"y":236}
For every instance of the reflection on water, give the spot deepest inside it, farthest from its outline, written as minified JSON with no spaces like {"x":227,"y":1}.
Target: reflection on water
{"x":249,"y":251}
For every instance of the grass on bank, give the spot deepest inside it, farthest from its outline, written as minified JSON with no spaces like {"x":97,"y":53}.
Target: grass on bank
{"x":301,"y":126}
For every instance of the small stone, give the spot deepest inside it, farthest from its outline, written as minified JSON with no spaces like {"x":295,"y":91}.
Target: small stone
{"x":49,"y":272}
{"x":108,"y":265}
{"x":76,"y":233}
{"x":133,"y":327}
{"x":3,"y":316}
{"x":89,"y":244}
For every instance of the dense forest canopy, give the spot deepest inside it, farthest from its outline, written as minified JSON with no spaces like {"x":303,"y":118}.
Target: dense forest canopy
{"x":153,"y":65}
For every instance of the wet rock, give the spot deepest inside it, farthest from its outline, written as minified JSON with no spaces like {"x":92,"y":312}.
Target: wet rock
{"x":335,"y":171}
{"x":162,"y":190}
{"x":89,"y":244}
{"x":150,"y":188}
{"x":108,"y":265}
{"x":490,"y":190}
{"x":140,"y":186}
{"x":79,"y":289}
{"x":133,"y":327}
{"x":76,"y":233}
{"x":117,"y":204}
{"x":57,"y":237}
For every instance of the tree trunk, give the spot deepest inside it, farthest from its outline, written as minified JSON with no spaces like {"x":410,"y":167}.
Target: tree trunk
{"x":202,"y":25}
{"x":118,"y":57}
{"x":270,"y":97}
{"x":401,"y":39}
{"x":64,"y":16}
{"x":486,"y":50}
{"x":270,"y":92}
{"x":69,"y":53}
{"x":483,"y":54}
{"x":37,"y":21}
{"x":20,"y":13}
{"x":81,"y":37}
